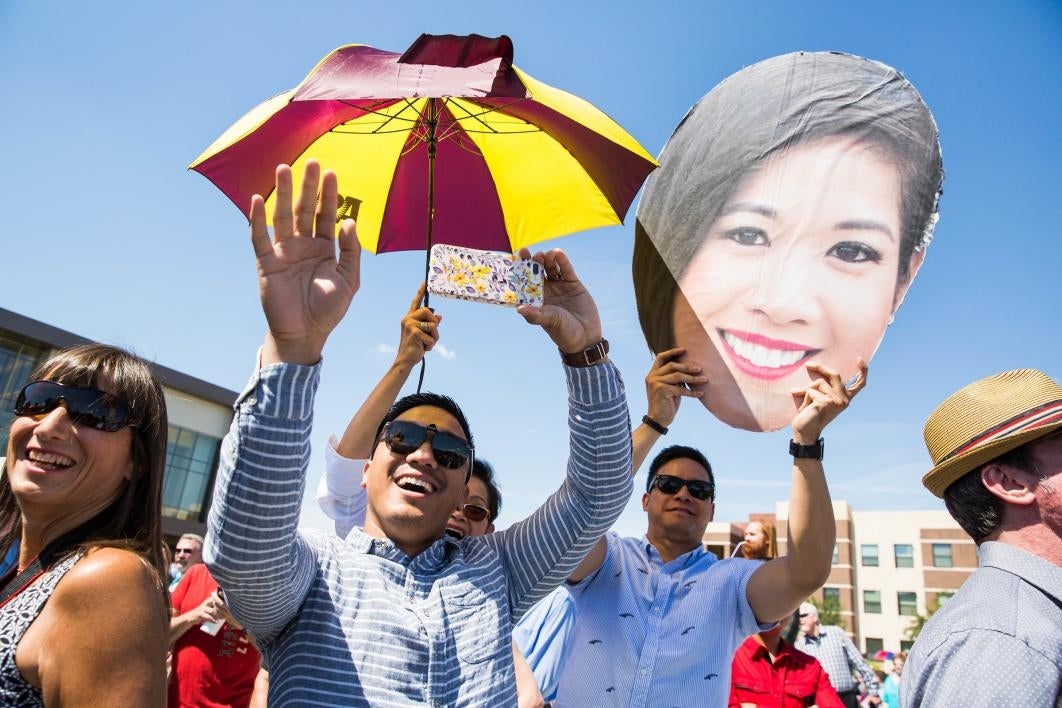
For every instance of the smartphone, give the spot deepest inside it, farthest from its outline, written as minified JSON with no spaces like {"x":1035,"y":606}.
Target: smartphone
{"x":484,"y":276}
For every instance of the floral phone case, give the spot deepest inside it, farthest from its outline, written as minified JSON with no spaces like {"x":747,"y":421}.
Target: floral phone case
{"x":484,"y":276}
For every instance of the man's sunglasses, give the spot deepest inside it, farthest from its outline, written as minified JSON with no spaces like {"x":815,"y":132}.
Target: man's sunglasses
{"x":699,"y":489}
{"x":85,"y":406}
{"x":475,"y":512}
{"x":404,"y":437}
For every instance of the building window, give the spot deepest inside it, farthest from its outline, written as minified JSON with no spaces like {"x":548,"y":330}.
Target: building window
{"x":190,"y":460}
{"x":17,"y":361}
{"x":908,"y":602}
{"x":906,"y":644}
{"x":872,"y":602}
{"x":831,"y":595}
{"x":869,"y":553}
{"x":904,"y":555}
{"x":874,"y":645}
{"x":941,"y":555}
{"x":836,"y":555}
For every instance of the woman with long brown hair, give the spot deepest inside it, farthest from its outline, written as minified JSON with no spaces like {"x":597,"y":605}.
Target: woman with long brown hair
{"x":83,"y":615}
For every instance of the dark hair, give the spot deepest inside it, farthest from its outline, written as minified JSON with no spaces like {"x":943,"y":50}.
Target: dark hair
{"x":676,"y":452}
{"x":484,"y":472}
{"x":775,"y":105}
{"x":134,"y":520}
{"x":978,"y":511}
{"x":434,"y":400}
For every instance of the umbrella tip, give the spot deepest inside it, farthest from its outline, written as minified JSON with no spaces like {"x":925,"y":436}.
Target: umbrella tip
{"x":458,"y":50}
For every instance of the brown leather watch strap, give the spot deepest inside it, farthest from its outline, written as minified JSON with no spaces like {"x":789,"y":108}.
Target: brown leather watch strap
{"x":587,"y":357}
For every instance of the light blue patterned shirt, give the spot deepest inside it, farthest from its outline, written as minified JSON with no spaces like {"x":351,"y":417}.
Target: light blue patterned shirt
{"x":542,"y":635}
{"x":997,"y":642}
{"x":345,"y":622}
{"x":649,"y":633}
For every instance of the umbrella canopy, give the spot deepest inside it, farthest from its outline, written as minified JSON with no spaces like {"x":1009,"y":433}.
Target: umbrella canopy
{"x":447,"y":141}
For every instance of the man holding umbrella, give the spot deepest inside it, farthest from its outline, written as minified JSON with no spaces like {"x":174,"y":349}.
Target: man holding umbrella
{"x":399,"y":613}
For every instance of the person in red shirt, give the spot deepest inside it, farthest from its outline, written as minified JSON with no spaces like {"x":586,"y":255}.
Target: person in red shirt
{"x":767,"y":671}
{"x":210,"y":670}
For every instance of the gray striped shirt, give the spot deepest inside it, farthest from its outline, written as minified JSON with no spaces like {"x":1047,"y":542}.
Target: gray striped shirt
{"x":356,"y":621}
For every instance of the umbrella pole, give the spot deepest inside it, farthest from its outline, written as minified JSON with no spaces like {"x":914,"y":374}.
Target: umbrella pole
{"x":433,"y":124}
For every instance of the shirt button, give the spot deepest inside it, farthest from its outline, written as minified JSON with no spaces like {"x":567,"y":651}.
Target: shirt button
{"x":645,"y":672}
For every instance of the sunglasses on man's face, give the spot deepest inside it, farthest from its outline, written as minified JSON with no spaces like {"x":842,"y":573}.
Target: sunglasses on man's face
{"x":699,"y":489}
{"x":85,"y":406}
{"x":475,"y":512}
{"x":404,"y":437}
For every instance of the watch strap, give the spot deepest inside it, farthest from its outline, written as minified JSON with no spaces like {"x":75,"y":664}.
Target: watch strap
{"x":587,"y":357}
{"x":807,"y":452}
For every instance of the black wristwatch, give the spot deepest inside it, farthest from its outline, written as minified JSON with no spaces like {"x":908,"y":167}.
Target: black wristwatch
{"x":807,"y":452}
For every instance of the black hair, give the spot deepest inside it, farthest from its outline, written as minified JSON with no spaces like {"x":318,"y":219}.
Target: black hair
{"x":676,"y":452}
{"x":434,"y":400}
{"x":978,"y":511}
{"x":484,"y":472}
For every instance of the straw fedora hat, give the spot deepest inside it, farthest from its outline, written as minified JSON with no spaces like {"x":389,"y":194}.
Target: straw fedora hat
{"x":987,"y":418}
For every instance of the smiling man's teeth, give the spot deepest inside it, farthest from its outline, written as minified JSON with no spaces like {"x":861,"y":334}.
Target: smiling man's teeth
{"x":47,"y":458}
{"x":759,"y":355}
{"x":415,"y":484}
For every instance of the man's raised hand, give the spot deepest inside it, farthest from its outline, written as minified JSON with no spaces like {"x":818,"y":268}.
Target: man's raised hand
{"x":823,"y":400}
{"x":568,"y":312}
{"x":305,"y":289}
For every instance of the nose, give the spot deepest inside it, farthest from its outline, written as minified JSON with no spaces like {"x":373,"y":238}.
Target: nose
{"x":423,"y":456}
{"x":785,"y":292}
{"x":54,"y":423}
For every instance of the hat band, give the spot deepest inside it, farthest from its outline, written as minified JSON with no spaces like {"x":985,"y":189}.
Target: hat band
{"x":1044,"y":415}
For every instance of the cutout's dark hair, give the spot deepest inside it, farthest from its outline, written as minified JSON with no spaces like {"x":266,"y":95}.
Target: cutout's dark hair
{"x":134,"y":520}
{"x":484,"y":472}
{"x":676,"y":452}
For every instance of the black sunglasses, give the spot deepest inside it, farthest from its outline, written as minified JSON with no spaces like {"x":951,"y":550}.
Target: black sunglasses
{"x":699,"y":489}
{"x":403,"y":437}
{"x":475,"y":512}
{"x":85,"y":406}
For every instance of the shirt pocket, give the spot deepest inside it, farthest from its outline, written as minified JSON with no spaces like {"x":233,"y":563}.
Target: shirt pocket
{"x":475,"y":618}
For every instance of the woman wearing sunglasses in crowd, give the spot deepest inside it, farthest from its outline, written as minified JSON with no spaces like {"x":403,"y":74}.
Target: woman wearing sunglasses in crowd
{"x":788,"y":219}
{"x":83,"y":615}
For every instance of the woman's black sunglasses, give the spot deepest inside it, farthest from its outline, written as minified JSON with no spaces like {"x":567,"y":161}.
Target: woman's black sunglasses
{"x":475,"y":512}
{"x":85,"y":406}
{"x":404,"y":437}
{"x":699,"y":489}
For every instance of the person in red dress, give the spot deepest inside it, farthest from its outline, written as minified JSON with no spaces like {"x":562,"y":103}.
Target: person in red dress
{"x":768,"y":671}
{"x":212,"y":667}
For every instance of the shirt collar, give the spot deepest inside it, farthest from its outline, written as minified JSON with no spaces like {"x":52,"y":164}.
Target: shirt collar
{"x":434,"y":556}
{"x":1032,"y":568}
{"x":682,"y":561}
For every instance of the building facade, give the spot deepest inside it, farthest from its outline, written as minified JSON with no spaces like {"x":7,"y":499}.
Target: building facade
{"x":199,"y":416}
{"x":888,"y":567}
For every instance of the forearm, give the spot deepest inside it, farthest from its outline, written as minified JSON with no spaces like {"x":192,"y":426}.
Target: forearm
{"x":642,"y":440}
{"x":181,"y":624}
{"x":544,"y":549}
{"x":357,"y":439}
{"x":252,"y":546}
{"x":812,"y":531}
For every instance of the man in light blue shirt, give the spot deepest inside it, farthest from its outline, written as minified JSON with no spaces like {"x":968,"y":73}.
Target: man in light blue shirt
{"x":659,"y":618}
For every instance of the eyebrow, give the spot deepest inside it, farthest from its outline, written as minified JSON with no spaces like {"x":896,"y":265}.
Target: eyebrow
{"x":753,"y":207}
{"x":865,"y":225}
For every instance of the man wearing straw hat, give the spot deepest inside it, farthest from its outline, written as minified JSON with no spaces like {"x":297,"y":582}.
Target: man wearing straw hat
{"x":996,"y":447}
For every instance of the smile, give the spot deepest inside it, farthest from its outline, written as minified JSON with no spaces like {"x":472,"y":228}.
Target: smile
{"x":49,"y":460}
{"x":762,"y":357}
{"x":417,"y":485}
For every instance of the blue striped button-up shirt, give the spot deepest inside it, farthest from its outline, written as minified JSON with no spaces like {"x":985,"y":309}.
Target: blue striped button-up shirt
{"x":649,"y":633}
{"x":356,"y":621}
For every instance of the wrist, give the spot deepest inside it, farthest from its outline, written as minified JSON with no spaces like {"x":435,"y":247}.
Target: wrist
{"x":593,"y":353}
{"x":291,"y":351}
{"x":654,"y":424}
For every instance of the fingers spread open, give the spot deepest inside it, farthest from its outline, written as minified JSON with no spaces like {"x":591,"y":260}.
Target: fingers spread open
{"x":327,"y":204}
{"x":260,"y":240}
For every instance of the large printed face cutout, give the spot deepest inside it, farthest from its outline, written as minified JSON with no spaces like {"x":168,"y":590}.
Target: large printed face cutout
{"x":788,"y":219}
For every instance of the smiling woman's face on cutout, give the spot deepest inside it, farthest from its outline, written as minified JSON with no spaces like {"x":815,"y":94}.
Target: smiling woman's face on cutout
{"x":801,"y":265}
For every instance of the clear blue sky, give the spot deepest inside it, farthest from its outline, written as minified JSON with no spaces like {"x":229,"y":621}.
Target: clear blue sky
{"x":108,"y":235}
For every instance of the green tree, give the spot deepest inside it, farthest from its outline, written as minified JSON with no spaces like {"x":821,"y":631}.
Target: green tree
{"x":829,"y":611}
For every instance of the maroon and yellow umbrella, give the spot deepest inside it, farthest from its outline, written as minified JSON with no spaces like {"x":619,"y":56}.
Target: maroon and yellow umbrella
{"x":446,"y":143}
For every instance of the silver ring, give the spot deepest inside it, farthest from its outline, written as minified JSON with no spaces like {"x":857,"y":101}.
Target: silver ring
{"x":425,"y":327}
